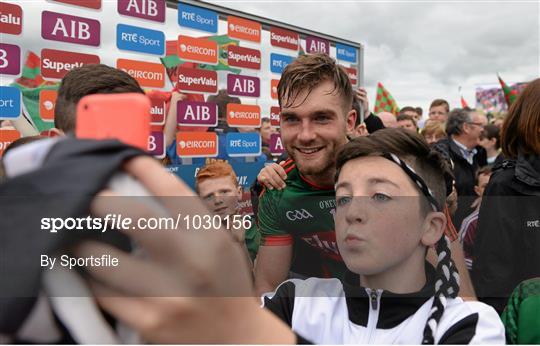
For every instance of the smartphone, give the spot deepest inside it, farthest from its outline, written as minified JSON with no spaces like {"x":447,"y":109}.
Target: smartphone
{"x":125,"y":117}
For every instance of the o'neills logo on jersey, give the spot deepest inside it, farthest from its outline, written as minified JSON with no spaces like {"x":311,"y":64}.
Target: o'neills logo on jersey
{"x":10,"y":18}
{"x":196,"y":144}
{"x":148,"y":74}
{"x":239,"y":115}
{"x":191,"y":79}
{"x":197,"y":49}
{"x":243,"y":29}
{"x":274,"y":116}
{"x":353,"y":74}
{"x":56,"y":63}
{"x":244,"y":57}
{"x":284,"y":38}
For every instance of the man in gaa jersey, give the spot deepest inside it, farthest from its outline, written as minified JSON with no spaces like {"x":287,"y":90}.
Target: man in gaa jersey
{"x":297,"y":223}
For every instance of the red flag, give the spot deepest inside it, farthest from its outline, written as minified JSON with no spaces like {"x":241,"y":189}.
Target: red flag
{"x":464,"y":103}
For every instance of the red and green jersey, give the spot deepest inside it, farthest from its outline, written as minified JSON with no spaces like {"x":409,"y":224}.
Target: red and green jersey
{"x":302,"y":215}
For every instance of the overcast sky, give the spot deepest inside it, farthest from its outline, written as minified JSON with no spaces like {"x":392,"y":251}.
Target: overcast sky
{"x":419,"y":50}
{"x":422,"y":50}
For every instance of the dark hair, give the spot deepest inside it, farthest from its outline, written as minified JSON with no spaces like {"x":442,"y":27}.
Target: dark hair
{"x":402,"y":117}
{"x":222,"y":99}
{"x":88,"y":80}
{"x":408,"y":109}
{"x":419,"y":110}
{"x":412,"y":150}
{"x":440,"y":102}
{"x":492,"y":131}
{"x":265,"y":120}
{"x":22,"y":141}
{"x":307,"y":72}
{"x":409,"y":147}
{"x":456,"y":118}
{"x":15,"y":144}
{"x":521,"y":128}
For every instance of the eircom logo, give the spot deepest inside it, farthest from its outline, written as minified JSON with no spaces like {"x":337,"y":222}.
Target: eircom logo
{"x":239,"y":115}
{"x":196,"y":144}
{"x":146,"y":73}
{"x":197,"y":49}
{"x":243,"y":29}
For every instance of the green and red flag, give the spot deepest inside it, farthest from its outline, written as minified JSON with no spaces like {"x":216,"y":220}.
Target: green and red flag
{"x":510,"y":94}
{"x":223,"y":42}
{"x":31,"y":83}
{"x":385,"y":102}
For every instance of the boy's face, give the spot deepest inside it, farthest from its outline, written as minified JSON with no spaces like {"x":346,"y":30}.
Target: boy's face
{"x":438,"y":113}
{"x":220,"y":195}
{"x":266,"y":132}
{"x":483,"y":180}
{"x":314,"y":131}
{"x":407,"y":124}
{"x":381,"y":227}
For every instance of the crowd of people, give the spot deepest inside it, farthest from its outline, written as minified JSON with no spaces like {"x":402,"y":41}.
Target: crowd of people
{"x":371,"y":228}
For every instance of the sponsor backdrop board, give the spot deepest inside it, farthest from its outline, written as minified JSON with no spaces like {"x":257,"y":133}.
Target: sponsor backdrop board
{"x":201,"y":49}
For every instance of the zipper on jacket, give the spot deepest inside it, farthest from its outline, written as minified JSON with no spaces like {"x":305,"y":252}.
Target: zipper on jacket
{"x":374,"y":298}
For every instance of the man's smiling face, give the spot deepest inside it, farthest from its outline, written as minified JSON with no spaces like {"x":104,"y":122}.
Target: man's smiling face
{"x":313,"y":129}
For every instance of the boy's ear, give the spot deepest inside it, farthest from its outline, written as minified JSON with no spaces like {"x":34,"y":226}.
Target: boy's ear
{"x":433,"y":228}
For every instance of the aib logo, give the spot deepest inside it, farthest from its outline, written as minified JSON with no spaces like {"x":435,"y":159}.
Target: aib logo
{"x":146,"y":9}
{"x":238,"y":85}
{"x":72,"y":29}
